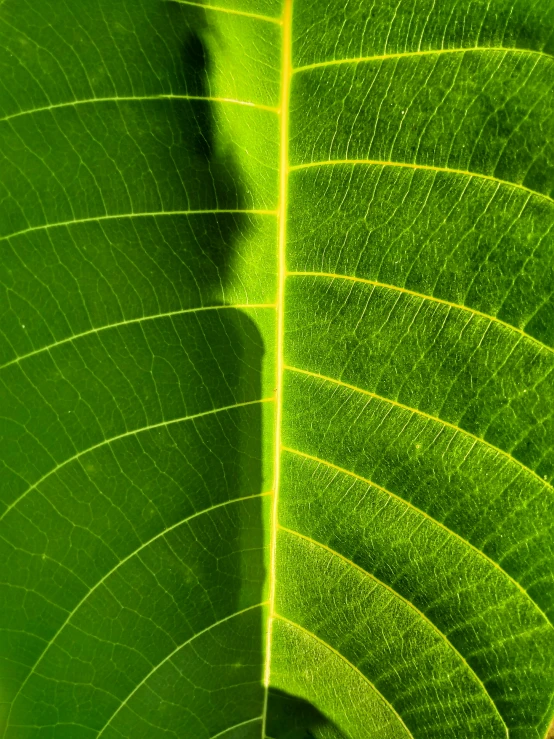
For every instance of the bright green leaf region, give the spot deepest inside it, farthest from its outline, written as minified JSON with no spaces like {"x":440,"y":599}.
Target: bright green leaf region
{"x":276,"y":369}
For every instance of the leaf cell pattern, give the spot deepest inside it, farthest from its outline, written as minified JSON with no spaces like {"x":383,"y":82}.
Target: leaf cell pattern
{"x":276,"y":361}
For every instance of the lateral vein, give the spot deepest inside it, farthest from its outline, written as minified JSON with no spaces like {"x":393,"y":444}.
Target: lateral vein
{"x":423,"y":296}
{"x":162,"y":424}
{"x":408,"y":603}
{"x":130,"y":321}
{"x":145,"y":214}
{"x":231,"y":11}
{"x":296,"y":625}
{"x":425,"y":52}
{"x":452,"y":426}
{"x":428,"y":167}
{"x":236,"y":726}
{"x":168,"y":657}
{"x":117,"y":566}
{"x":421,"y":512}
{"x":137,"y":98}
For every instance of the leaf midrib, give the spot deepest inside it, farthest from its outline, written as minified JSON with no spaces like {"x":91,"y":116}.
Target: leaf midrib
{"x":284,"y":106}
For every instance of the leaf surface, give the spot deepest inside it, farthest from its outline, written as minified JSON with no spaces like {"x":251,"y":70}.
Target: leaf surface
{"x":276,"y":369}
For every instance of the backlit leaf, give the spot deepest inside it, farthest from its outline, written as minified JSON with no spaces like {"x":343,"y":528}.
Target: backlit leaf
{"x":277,"y":369}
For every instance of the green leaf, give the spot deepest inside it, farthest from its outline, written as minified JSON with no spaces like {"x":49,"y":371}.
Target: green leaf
{"x":276,"y":369}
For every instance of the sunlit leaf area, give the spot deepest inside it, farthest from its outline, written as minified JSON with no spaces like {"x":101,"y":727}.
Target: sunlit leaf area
{"x":276,"y":369}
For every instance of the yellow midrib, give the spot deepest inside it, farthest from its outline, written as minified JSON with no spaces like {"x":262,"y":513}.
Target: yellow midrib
{"x":286,"y":74}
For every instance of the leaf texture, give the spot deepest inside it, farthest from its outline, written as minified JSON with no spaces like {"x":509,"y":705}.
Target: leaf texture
{"x":276,"y":369}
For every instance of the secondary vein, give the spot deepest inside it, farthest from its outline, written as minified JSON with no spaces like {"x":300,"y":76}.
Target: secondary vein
{"x":232,"y":11}
{"x":117,"y":566}
{"x":349,"y":663}
{"x":425,"y":515}
{"x":432,"y":298}
{"x":169,"y":656}
{"x":161,"y":424}
{"x":436,"y":419}
{"x":428,"y":167}
{"x":145,"y":214}
{"x":129,"y":321}
{"x":137,"y":98}
{"x":424,"y":52}
{"x":410,"y":605}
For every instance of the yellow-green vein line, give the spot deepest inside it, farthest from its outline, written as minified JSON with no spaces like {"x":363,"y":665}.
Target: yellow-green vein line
{"x":145,"y":214}
{"x":116,"y":567}
{"x":325,"y":644}
{"x":436,"y":419}
{"x":231,"y":11}
{"x":425,"y":167}
{"x":425,"y":52}
{"x":137,"y":98}
{"x":286,"y":66}
{"x":237,"y":726}
{"x":162,"y":424}
{"x":130,"y":321}
{"x":169,"y":656}
{"x":423,"y":296}
{"x":410,"y":605}
{"x":434,"y":521}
